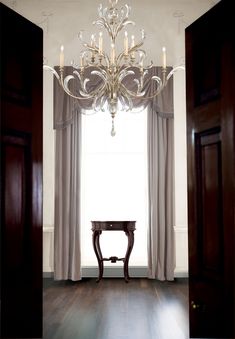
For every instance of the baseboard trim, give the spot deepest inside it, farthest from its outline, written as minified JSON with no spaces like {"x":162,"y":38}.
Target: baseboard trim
{"x":48,"y":275}
{"x":114,"y":272}
{"x":117,"y":272}
{"x":181,"y":274}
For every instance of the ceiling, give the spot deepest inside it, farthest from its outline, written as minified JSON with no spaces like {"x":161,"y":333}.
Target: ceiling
{"x":164,"y":22}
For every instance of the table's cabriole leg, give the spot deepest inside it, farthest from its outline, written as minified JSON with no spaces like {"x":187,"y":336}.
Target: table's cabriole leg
{"x":98,"y":253}
{"x":101,"y":265}
{"x":130,"y":235}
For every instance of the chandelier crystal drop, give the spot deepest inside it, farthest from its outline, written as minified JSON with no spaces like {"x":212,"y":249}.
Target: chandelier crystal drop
{"x":111,"y":68}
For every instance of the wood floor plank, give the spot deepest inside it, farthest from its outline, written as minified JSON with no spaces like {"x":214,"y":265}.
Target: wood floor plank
{"x":113,"y":309}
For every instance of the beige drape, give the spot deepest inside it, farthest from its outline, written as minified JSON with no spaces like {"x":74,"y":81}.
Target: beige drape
{"x":67,"y":122}
{"x":160,"y":134}
{"x":161,"y":244}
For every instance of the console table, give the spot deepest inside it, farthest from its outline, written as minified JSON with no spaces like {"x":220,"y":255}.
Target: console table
{"x":128,"y":227}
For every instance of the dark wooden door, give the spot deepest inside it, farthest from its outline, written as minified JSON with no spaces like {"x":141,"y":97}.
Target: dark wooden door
{"x":21,"y":176}
{"x":210,"y":74}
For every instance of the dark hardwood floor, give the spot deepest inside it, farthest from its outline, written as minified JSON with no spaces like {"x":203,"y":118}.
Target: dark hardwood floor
{"x":113,"y":309}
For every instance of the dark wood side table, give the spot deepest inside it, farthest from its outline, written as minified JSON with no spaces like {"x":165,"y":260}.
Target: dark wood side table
{"x":128,"y":227}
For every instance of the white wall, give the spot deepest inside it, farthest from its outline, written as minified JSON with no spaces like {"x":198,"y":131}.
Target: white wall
{"x":164,"y":22}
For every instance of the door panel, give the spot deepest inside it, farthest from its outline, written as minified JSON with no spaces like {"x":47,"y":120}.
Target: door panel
{"x":21,"y":176}
{"x":209,"y":197}
{"x":16,"y":172}
{"x":211,"y":168}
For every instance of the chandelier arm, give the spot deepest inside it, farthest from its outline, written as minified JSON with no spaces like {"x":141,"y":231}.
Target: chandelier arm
{"x":122,"y":101}
{"x":158,"y":80}
{"x":139,"y":84}
{"x":108,"y":76}
{"x":127,"y":67}
{"x":142,"y":54}
{"x":177,"y":68}
{"x":142,"y":51}
{"x":123,"y":14}
{"x":83,"y":54}
{"x":122,"y":11}
{"x":84,"y":96}
{"x":125,"y":73}
{"x":125,"y":18}
{"x":131,"y":93}
{"x":98,"y":97}
{"x":65,"y":83}
{"x":61,"y":82}
{"x":100,"y":12}
{"x":51,"y":69}
{"x":92,"y":64}
{"x":84,"y":84}
{"x":162,"y":84}
{"x":122,"y":24}
{"x":82,"y":81}
{"x":101,"y":70}
{"x":106,"y":58}
{"x":95,"y":65}
{"x":78,"y":75}
{"x":123,"y":21}
{"x":96,"y":50}
{"x":104,"y":23}
{"x":159,"y":89}
{"x":120,"y":57}
{"x":125,"y":95}
{"x":102,"y":102}
{"x":128,"y":11}
{"x":136,"y":47}
{"x":100,"y":74}
{"x":149,"y":66}
{"x":91,"y":94}
{"x":90,"y":48}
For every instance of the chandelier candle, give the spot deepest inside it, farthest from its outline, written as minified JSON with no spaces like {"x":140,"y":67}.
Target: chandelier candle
{"x":61,"y":56}
{"x":164,"y":57}
{"x":126,"y":44}
{"x":112,"y":57}
{"x":81,"y":61}
{"x":100,"y":43}
{"x":112,"y":66}
{"x":133,"y":45}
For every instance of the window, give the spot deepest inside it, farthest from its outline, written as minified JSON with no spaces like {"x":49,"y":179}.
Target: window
{"x":114,"y":183}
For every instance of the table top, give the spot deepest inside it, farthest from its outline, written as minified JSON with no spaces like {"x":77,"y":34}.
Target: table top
{"x":113,"y":225}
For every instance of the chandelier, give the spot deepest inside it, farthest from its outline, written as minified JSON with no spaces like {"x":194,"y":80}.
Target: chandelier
{"x":112,"y":68}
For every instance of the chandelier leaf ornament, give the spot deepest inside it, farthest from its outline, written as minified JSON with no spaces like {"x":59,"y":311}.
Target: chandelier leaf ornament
{"x":110,"y":68}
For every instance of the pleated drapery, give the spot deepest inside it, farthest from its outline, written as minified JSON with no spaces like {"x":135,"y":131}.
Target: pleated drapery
{"x":160,"y":155}
{"x":67,"y":122}
{"x":67,"y":249}
{"x":161,"y":243}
